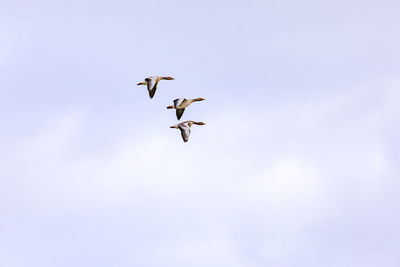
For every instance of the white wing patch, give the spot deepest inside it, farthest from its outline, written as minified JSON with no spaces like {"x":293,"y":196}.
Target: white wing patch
{"x":185,"y":131}
{"x":151,"y":85}
{"x":151,"y":82}
{"x":178,"y":101}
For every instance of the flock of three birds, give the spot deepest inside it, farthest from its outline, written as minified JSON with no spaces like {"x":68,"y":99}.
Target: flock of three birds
{"x":179,"y":104}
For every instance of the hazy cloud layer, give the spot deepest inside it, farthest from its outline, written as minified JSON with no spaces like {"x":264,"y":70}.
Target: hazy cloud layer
{"x":297,"y":165}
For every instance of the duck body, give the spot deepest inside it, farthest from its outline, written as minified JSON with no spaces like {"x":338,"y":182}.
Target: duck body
{"x":152,"y":83}
{"x":181,"y":103}
{"x":185,"y":127}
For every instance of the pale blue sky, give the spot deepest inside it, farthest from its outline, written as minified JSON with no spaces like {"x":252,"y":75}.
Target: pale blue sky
{"x":297,"y":165}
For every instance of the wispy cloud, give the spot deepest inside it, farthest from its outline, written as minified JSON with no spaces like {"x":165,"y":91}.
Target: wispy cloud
{"x":297,"y":165}
{"x":265,"y":184}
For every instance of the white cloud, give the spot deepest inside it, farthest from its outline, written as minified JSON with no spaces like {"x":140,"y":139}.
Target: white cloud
{"x":290,"y":179}
{"x":198,"y":201}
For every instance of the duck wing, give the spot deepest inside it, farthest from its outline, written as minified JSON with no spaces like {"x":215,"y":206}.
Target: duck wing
{"x":178,"y":101}
{"x":185,"y":103}
{"x":185,"y":131}
{"x":151,"y":86}
{"x":179,"y":113}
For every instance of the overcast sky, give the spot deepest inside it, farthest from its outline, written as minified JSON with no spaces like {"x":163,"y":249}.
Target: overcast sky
{"x":298,"y":165}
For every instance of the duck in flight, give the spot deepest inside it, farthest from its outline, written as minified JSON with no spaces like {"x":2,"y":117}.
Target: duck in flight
{"x":152,"y":82}
{"x":181,"y":103}
{"x":185,"y":128}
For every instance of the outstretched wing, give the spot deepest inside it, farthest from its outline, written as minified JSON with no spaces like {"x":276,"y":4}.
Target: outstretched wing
{"x":177,"y":102}
{"x":185,"y":131}
{"x":151,"y":86}
{"x":179,"y":113}
{"x":185,"y":103}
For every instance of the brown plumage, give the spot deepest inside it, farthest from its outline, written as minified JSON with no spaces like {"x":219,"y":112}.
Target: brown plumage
{"x":152,"y":83}
{"x":184,"y":127}
{"x":181,"y":103}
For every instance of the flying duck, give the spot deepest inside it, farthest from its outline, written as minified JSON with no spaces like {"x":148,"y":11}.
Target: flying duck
{"x":181,"y":103}
{"x":185,"y":128}
{"x":152,"y":82}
